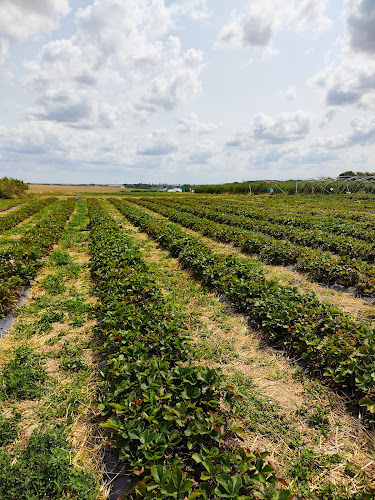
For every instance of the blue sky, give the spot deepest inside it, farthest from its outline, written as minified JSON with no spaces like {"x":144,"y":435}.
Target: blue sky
{"x":195,"y":91}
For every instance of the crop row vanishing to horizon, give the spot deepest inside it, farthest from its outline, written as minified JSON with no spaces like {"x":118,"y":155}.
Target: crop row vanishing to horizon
{"x":187,"y":346}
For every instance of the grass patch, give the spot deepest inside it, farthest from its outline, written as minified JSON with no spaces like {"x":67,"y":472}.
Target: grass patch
{"x":60,"y":258}
{"x":216,"y":350}
{"x":24,"y":375}
{"x":71,"y":358}
{"x":43,"y":470}
{"x":9,"y":428}
{"x":263,"y":416}
{"x":53,"y":284}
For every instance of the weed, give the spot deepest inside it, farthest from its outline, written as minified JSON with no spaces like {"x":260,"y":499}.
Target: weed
{"x":72,"y":270}
{"x":280,"y":375}
{"x":44,"y":324}
{"x":60,"y":258}
{"x":53,"y":284}
{"x":9,"y":428}
{"x":24,"y":375}
{"x":299,"y":373}
{"x":55,"y":339}
{"x":71,"y":358}
{"x":43,"y":470}
{"x":262,"y":414}
{"x":216,"y":350}
{"x":24,"y":330}
{"x":66,"y":403}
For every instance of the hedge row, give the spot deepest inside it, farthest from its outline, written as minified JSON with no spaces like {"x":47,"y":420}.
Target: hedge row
{"x":172,"y":423}
{"x":331,"y":342}
{"x":320,"y":266}
{"x":23,"y":212}
{"x":20,"y":260}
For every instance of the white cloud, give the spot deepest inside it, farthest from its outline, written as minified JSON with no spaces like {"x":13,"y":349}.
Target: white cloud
{"x":55,"y":142}
{"x":23,"y":19}
{"x":192,"y":124}
{"x":158,"y":143}
{"x":177,"y":82}
{"x":338,"y":141}
{"x":290,"y":93}
{"x":257,"y":27}
{"x":327,"y":118}
{"x":352,"y":80}
{"x":202,"y":152}
{"x":363,"y":131}
{"x":113,"y":38}
{"x":196,"y":9}
{"x":64,"y":106}
{"x":76,"y":81}
{"x":248,"y":30}
{"x":284,"y":127}
{"x":312,"y":13}
{"x":361,"y":25}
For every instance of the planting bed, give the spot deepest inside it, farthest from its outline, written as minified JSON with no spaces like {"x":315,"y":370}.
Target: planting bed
{"x":320,"y":266}
{"x":49,"y":444}
{"x":330,"y":341}
{"x":165,"y":414}
{"x":190,"y":402}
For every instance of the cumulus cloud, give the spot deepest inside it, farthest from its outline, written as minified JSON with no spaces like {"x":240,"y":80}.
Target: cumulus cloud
{"x":55,"y":142}
{"x":241,"y":139}
{"x":327,"y":118}
{"x":312,"y":12}
{"x":196,"y":9}
{"x":177,"y":82}
{"x":352,"y":80}
{"x":363,"y":131}
{"x":361,"y":26}
{"x":202,"y":153}
{"x":336,"y":142}
{"x":284,"y":127}
{"x":280,"y":129}
{"x":251,"y":29}
{"x":158,"y":143}
{"x":192,"y":124}
{"x":257,"y":26}
{"x":23,"y":19}
{"x":64,"y":106}
{"x":129,"y":31}
{"x":121,"y":49}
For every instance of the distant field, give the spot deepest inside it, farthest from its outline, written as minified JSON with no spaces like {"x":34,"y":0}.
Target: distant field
{"x":73,"y":189}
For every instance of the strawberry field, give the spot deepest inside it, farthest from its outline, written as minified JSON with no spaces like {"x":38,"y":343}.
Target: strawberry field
{"x":159,"y":324}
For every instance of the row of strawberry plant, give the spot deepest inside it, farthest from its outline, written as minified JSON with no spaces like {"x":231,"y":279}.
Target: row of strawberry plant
{"x":332,"y":342}
{"x":279,"y":212}
{"x":322,"y":209}
{"x":6,"y":204}
{"x":323,"y":267}
{"x":313,"y":237}
{"x":20,"y":260}
{"x":23,"y":212}
{"x":172,"y":423}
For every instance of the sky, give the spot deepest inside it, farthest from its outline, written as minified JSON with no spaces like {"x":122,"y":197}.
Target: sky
{"x":186,"y":91}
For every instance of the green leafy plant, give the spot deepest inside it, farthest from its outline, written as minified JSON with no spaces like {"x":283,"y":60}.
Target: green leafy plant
{"x":24,"y":375}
